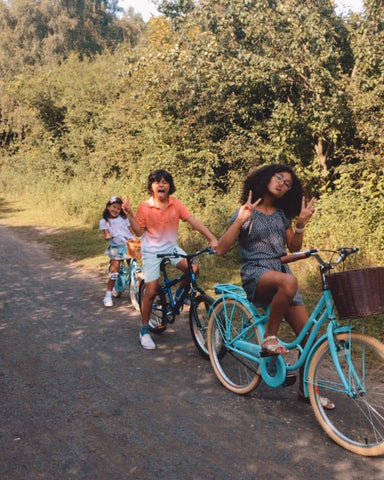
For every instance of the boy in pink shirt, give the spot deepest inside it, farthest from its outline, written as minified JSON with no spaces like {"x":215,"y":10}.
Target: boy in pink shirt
{"x":157,"y":221}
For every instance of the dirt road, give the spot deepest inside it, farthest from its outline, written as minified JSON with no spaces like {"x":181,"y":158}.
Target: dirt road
{"x":81,"y":400}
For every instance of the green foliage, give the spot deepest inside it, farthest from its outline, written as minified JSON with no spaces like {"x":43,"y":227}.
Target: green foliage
{"x":41,"y":33}
{"x":90,"y":104}
{"x":352,"y":217}
{"x":254,"y":82}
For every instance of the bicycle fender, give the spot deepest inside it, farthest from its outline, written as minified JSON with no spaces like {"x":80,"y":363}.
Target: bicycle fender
{"x":259,"y":319}
{"x":315,"y":346}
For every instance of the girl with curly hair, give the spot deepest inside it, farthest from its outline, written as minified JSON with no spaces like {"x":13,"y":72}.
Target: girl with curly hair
{"x":272,"y":197}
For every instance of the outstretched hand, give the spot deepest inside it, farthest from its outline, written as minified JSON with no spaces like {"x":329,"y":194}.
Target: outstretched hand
{"x":126,"y":206}
{"x":246,"y":210}
{"x":306,"y":212}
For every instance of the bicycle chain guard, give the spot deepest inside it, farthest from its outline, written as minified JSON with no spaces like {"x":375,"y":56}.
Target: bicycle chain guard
{"x":273,"y":370}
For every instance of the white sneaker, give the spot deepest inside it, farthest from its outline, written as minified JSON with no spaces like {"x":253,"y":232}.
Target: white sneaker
{"x":147,"y":342}
{"x":108,"y":301}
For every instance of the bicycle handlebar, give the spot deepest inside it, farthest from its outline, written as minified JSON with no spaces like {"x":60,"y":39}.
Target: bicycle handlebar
{"x":293,"y":257}
{"x":343,"y":252}
{"x":208,"y":250}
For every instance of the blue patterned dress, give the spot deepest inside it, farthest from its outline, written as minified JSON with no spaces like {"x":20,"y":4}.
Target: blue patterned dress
{"x":262,"y":241}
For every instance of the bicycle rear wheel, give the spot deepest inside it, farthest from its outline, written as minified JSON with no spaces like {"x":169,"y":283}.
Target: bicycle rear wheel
{"x":357,"y":424}
{"x":198,"y":322}
{"x":134,"y":287}
{"x":226,"y":322}
{"x":158,"y":318}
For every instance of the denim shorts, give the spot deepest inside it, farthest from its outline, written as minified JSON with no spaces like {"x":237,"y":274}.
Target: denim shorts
{"x":118,"y":252}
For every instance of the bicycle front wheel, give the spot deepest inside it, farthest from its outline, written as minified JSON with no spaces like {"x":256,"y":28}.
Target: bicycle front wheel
{"x":134,"y":287}
{"x":227,"y":322}
{"x":357,"y":423}
{"x":198,"y":322}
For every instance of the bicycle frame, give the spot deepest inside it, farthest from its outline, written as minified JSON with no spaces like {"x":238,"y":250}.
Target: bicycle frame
{"x":168,"y":284}
{"x":322,"y":313}
{"x":125,"y":273}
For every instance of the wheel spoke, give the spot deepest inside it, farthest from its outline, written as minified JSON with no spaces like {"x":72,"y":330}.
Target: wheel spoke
{"x":357,"y":423}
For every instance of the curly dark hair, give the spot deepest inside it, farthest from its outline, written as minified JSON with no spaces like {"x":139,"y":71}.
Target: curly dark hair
{"x":112,"y":200}
{"x":258,"y":180}
{"x":156,"y":176}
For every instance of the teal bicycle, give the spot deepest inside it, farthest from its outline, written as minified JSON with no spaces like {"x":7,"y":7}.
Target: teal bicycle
{"x":130,"y":277}
{"x":339,"y":362}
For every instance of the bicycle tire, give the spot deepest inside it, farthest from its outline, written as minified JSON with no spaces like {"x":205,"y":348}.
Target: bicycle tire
{"x":357,"y":424}
{"x":158,"y":318}
{"x":134,"y":288}
{"x":200,"y":308}
{"x":237,"y":373}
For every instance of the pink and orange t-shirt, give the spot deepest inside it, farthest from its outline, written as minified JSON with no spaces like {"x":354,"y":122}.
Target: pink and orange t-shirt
{"x":161,"y":227}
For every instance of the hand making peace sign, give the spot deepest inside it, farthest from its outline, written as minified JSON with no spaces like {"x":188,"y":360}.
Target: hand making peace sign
{"x":306,"y":212}
{"x":246,"y":210}
{"x":126,"y":206}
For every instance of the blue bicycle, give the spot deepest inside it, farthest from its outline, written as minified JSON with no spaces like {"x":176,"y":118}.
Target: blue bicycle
{"x":339,"y":362}
{"x":166,"y":306}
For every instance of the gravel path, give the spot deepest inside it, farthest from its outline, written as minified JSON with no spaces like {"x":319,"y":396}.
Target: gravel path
{"x":80,"y":399}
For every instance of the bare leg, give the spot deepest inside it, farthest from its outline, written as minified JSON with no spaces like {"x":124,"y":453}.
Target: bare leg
{"x":282,"y":287}
{"x":114,"y":268}
{"x":149,"y":297}
{"x":183,"y":266}
{"x":297,"y":317}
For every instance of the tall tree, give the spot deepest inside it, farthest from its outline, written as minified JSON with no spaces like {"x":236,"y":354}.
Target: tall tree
{"x":36,"y":33}
{"x":367,"y":83}
{"x":258,"y":81}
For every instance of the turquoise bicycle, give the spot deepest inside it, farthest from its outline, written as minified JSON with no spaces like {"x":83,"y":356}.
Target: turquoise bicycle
{"x":339,"y":363}
{"x":130,"y":277}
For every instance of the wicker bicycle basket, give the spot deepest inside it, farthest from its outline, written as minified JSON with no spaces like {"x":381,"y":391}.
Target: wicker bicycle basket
{"x":358,"y":293}
{"x":134,"y":248}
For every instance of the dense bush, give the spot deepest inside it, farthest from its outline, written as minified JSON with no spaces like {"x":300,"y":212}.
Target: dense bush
{"x":209,"y":93}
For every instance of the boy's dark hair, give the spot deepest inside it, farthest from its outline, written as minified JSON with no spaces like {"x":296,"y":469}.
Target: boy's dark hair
{"x":112,"y":200}
{"x":156,"y":176}
{"x":258,"y":180}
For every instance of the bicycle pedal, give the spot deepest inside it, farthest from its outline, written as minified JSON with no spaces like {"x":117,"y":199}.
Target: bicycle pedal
{"x":290,"y":380}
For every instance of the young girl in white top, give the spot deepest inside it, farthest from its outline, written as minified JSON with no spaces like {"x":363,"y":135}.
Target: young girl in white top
{"x":117,"y":230}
